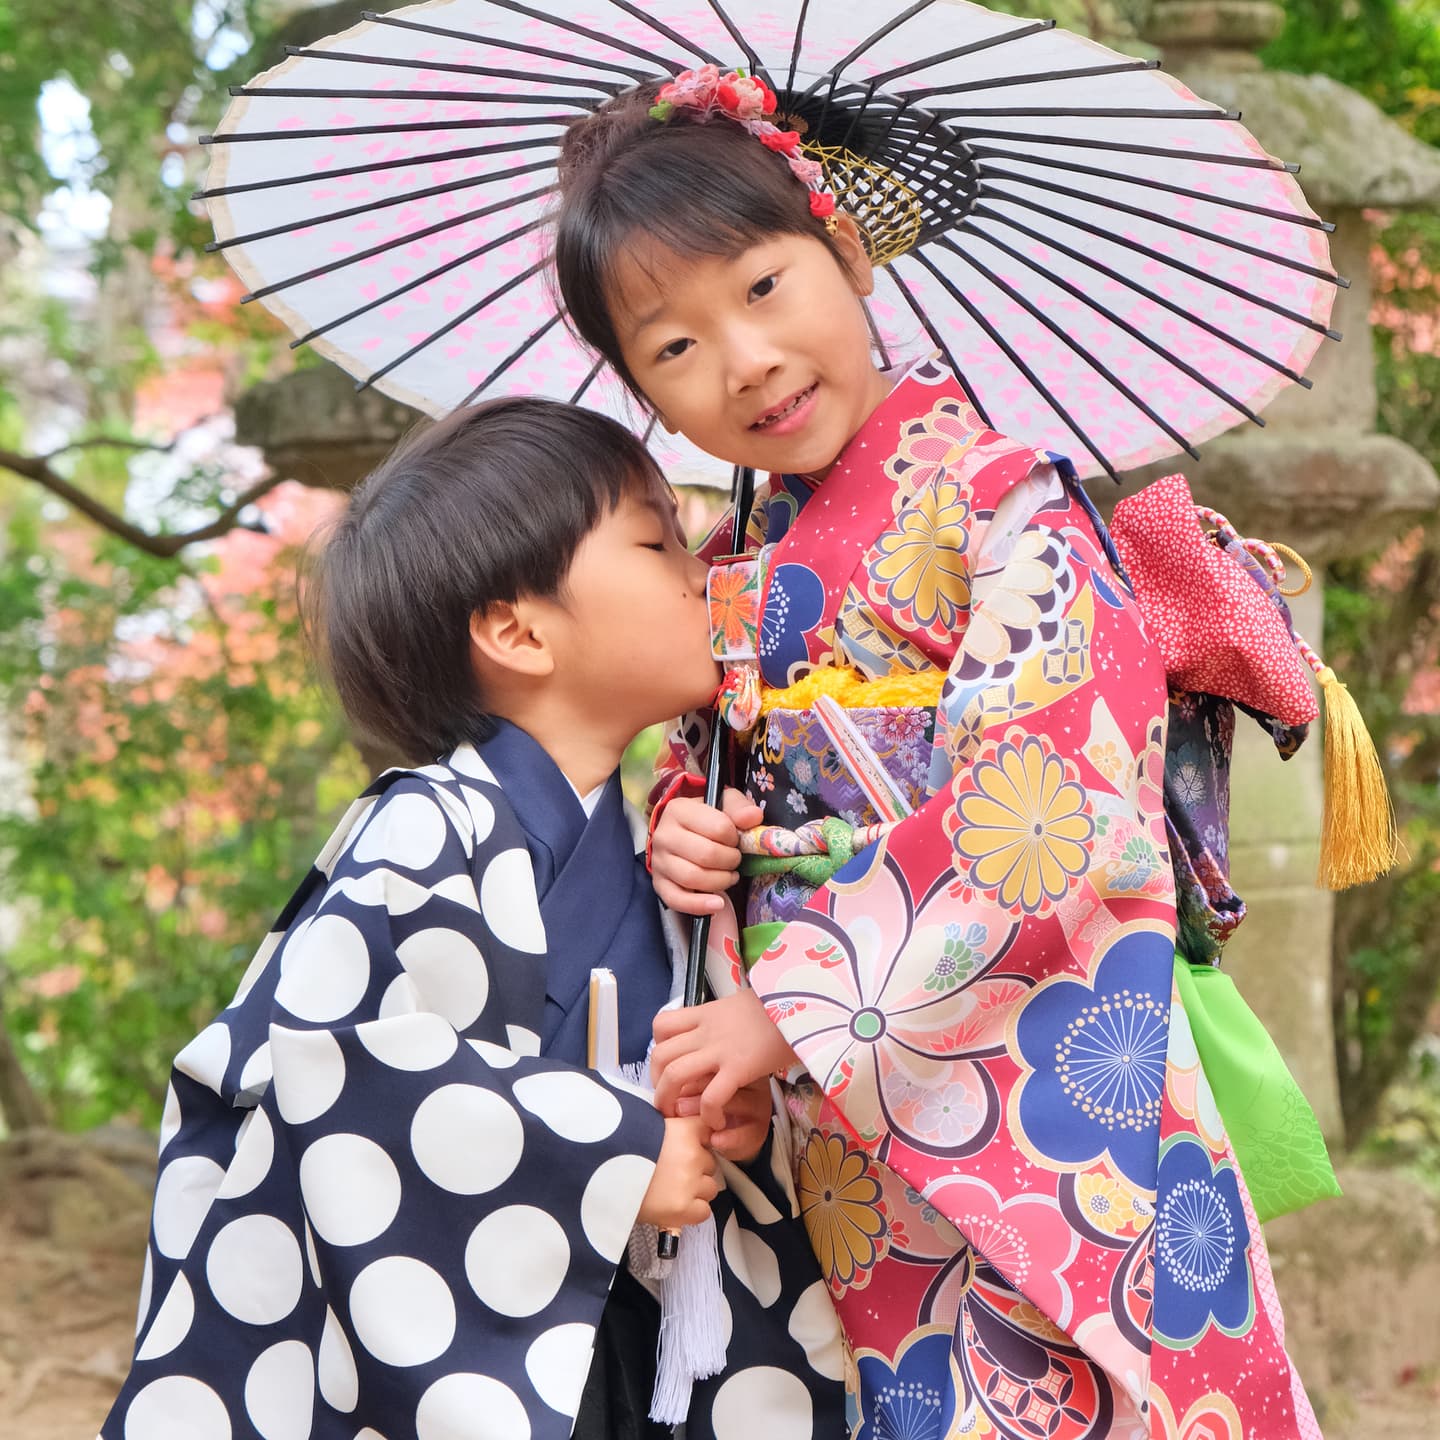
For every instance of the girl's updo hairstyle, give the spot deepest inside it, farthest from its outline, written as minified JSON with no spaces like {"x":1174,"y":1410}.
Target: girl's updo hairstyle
{"x":698,"y":189}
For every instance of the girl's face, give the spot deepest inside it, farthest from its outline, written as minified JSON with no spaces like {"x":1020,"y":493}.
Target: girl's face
{"x":761,"y":360}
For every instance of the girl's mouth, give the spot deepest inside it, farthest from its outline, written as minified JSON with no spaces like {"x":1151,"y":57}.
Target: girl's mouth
{"x":790,"y":415}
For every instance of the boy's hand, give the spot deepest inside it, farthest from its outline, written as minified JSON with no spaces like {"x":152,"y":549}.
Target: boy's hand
{"x":722,"y":1046}
{"x":695,"y":851}
{"x":684,"y":1182}
{"x":747,"y":1121}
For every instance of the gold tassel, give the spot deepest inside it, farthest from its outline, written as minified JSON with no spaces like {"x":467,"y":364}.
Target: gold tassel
{"x":1358,"y":840}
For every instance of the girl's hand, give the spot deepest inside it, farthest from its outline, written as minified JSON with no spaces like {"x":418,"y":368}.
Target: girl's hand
{"x":747,"y":1121}
{"x":684,"y":1182}
{"x":723,"y":1045}
{"x":695,"y":851}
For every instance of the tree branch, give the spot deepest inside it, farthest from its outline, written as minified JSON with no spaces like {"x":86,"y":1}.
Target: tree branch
{"x":38,"y":469}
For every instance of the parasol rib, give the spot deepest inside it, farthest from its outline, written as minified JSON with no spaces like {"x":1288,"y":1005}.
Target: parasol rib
{"x":439,"y":157}
{"x":1070,"y":112}
{"x":573,"y":27}
{"x":1169,"y":222}
{"x":1151,"y":254}
{"x":660,"y":28}
{"x":938,"y":340}
{"x":876,"y":337}
{"x":798,"y":45}
{"x":445,"y":329}
{"x":505,"y":122}
{"x":513,"y":356}
{"x":1247,"y":162}
{"x":448,"y":67}
{"x":447,"y":188}
{"x":459,"y":97}
{"x":497,"y":43}
{"x":874,"y":38}
{"x":1130,"y":283}
{"x":1049,"y":77}
{"x":1024,"y":32}
{"x":1049,"y":162}
{"x":1015,"y":359}
{"x":587,"y":382}
{"x":1098,"y":366}
{"x":395,"y":242}
{"x":752,"y":60}
{"x":1132,"y":330}
{"x":409,"y":285}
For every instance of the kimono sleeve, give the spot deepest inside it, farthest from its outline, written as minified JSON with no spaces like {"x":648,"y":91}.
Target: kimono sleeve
{"x":904,"y":987}
{"x":460,"y":1202}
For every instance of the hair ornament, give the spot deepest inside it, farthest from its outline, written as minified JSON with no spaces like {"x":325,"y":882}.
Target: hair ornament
{"x":746,"y":100}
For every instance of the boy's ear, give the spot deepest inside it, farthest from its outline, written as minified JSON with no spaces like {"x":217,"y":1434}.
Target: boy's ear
{"x":851,"y":245}
{"x":509,"y":636}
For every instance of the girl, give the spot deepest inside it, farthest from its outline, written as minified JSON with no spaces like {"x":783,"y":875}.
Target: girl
{"x":1009,"y":1163}
{"x":391,"y":1200}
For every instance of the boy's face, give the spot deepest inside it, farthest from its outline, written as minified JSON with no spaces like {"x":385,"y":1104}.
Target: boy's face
{"x":636,"y":639}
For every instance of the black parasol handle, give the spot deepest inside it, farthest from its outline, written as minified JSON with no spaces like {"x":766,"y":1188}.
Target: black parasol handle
{"x":741,"y":494}
{"x":742,"y":491}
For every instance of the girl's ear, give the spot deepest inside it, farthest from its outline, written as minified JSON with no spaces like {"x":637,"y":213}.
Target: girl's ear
{"x":511,"y":637}
{"x":853,"y":254}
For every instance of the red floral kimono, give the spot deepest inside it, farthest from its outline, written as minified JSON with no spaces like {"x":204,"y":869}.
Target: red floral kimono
{"x":1007,"y":1155}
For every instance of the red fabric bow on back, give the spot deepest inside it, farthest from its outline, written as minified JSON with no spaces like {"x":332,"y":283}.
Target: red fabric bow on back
{"x":1221,"y":625}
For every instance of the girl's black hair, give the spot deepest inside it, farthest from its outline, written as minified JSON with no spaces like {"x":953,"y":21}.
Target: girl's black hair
{"x":486,"y":505}
{"x":697,"y":189}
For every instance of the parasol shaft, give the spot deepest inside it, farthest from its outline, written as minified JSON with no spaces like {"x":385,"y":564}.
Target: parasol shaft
{"x":741,"y":494}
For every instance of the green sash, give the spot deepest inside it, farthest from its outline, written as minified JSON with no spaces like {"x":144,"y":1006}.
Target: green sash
{"x":1271,"y":1126}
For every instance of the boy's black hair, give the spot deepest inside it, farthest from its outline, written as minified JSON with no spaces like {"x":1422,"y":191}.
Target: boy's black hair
{"x":486,"y":505}
{"x":697,"y":189}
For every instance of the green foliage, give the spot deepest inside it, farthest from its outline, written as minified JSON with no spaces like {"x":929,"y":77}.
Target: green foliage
{"x":140,"y":65}
{"x":1389,"y":50}
{"x":181,"y":773}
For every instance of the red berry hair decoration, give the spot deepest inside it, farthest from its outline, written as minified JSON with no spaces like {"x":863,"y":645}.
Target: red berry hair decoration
{"x":746,"y":100}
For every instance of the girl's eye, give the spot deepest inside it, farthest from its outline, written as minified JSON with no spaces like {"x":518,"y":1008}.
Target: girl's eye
{"x":761,"y":288}
{"x":674,"y":350}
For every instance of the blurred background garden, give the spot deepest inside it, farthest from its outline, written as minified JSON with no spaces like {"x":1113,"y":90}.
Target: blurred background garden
{"x":169,"y":764}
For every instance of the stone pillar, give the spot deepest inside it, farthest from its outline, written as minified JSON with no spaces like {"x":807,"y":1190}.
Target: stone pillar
{"x":1317,"y":478}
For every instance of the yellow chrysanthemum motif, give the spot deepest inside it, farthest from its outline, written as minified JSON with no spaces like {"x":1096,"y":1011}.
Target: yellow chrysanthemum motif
{"x":840,"y":1204}
{"x":920,"y":569}
{"x":1022,"y":822}
{"x":1106,"y":1203}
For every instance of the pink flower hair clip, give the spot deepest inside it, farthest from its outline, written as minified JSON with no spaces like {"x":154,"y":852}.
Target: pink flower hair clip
{"x":746,"y":100}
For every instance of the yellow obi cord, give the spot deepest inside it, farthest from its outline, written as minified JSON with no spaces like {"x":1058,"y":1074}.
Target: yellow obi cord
{"x":915,"y":689}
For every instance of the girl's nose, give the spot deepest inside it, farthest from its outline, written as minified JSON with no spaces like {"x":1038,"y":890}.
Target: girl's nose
{"x":751,"y":358}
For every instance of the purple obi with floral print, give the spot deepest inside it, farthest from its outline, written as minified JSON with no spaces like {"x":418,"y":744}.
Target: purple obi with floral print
{"x":793,"y":773}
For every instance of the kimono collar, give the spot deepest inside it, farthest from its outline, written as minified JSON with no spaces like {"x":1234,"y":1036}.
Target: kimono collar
{"x":544,"y":801}
{"x":898,"y":450}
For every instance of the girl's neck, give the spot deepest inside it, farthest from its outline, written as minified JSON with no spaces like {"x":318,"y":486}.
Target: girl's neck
{"x":882,"y":383}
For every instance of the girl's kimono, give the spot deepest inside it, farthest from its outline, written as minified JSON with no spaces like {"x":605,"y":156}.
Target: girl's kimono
{"x":392,"y":1201}
{"x":1011,"y":1168}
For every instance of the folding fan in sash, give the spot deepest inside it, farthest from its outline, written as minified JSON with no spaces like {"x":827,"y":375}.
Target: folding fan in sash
{"x":1115,"y":268}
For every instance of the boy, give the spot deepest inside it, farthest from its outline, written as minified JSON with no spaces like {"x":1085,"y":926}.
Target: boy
{"x":391,"y":1201}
